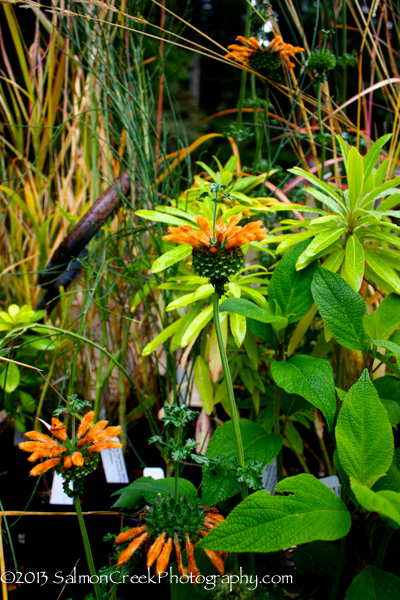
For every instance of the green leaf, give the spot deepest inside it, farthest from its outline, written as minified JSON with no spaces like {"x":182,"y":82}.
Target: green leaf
{"x":381,"y":268}
{"x":326,"y":187}
{"x":161,"y":338}
{"x":374,"y":584}
{"x":197,"y":325}
{"x":251,"y":349}
{"x":334,"y":261}
{"x":146,"y":489}
{"x":317,"y":557}
{"x":310,"y":377}
{"x":154,"y":215}
{"x":343,"y":148}
{"x":387,"y":316}
{"x":386,"y":503}
{"x":373,"y":153}
{"x":387,"y":204}
{"x":263,"y":330}
{"x":220,"y":483}
{"x":249,"y":309}
{"x":355,"y":176}
{"x":170,"y":258}
{"x":380,"y":190}
{"x":320,"y":242}
{"x":354,"y":262}
{"x":389,"y":238}
{"x":43,"y":344}
{"x":363,"y":434}
{"x":204,"y":291}
{"x":255,"y":296}
{"x":341,"y":308}
{"x":183,"y":325}
{"x":9,"y":377}
{"x":238,"y":328}
{"x":204,"y":385}
{"x":265,"y":523}
{"x":391,"y":346}
{"x":295,"y":238}
{"x":289,"y":289}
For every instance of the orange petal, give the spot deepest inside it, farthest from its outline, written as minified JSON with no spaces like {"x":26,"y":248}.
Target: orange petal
{"x":163,"y":559}
{"x":85,"y":424}
{"x":34,"y":446}
{"x":40,"y":437}
{"x":43,"y":467}
{"x":155,"y":549}
{"x":130,"y":534}
{"x":47,"y":453}
{"x":77,"y":459}
{"x":107,"y":434}
{"x":204,"y":225}
{"x":182,"y":570}
{"x":253,"y":42}
{"x":104,"y":446}
{"x":277,"y":40}
{"x":131,"y":549}
{"x":192,"y":568}
{"x":58,"y":429}
{"x":216,"y":561}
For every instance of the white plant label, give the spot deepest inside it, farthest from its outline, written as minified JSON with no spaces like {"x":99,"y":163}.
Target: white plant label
{"x":333,"y":483}
{"x":58,"y":496}
{"x":154,"y":472}
{"x":114,"y":465}
{"x":270,"y":477}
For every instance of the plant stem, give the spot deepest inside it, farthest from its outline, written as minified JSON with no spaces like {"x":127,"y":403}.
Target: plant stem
{"x":242,"y":91}
{"x":383,"y":546}
{"x":322,"y":138}
{"x":277,"y":413}
{"x":86,"y":544}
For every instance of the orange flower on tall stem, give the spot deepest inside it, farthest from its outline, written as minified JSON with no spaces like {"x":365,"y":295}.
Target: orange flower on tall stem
{"x":261,"y":58}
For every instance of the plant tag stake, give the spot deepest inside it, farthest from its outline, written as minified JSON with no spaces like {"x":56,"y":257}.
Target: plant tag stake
{"x":332,"y":482}
{"x":58,"y":496}
{"x":114,"y":465}
{"x":270,"y":477}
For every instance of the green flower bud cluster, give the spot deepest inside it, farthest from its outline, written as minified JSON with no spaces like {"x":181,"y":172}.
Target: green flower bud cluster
{"x":265,"y":62}
{"x":217,"y":264}
{"x":181,"y":516}
{"x":321,"y":61}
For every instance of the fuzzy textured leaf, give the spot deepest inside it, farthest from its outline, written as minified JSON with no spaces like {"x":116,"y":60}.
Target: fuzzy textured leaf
{"x":374,"y":584}
{"x":265,"y":523}
{"x":147,"y":489}
{"x":363,"y":434}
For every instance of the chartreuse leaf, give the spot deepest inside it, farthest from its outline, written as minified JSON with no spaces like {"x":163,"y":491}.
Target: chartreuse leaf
{"x":320,"y":242}
{"x":326,"y":187}
{"x":334,"y":261}
{"x":343,"y":148}
{"x":184,"y":323}
{"x":329,"y":202}
{"x":204,"y":291}
{"x":355,"y":176}
{"x":197,"y":325}
{"x":171,"y":257}
{"x":341,"y":308}
{"x":310,"y":377}
{"x":265,"y":523}
{"x":251,"y":310}
{"x":381,"y":268}
{"x":374,"y":584}
{"x":9,"y":377}
{"x":153,"y":215}
{"x":147,"y":489}
{"x":369,"y":198}
{"x":373,"y":153}
{"x":354,"y":262}
{"x":386,"y":503}
{"x":204,"y":385}
{"x":237,"y":322}
{"x":161,"y":337}
{"x":289,"y":291}
{"x":219,"y":482}
{"x":363,"y":434}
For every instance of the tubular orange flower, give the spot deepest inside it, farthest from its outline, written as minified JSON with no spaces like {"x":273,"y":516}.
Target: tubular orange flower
{"x":175,"y":521}
{"x":261,"y":58}
{"x":80,"y":457}
{"x":210,"y":256}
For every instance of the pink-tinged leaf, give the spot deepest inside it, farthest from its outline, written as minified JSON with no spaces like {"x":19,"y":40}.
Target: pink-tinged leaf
{"x":203,"y":432}
{"x":319,"y":424}
{"x":204,"y":385}
{"x":214,"y":358}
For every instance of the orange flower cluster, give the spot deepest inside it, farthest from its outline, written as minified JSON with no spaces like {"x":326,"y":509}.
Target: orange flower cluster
{"x":160,"y":550}
{"x":243,"y":54}
{"x":234,"y":235}
{"x":89,"y":439}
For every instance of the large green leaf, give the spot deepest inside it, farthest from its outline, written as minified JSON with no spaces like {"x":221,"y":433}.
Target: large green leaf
{"x":354,"y":262}
{"x":374,"y":584}
{"x":9,"y":377}
{"x":171,"y":257}
{"x":385,"y":503}
{"x":355,"y":176}
{"x":388,"y":388}
{"x":310,"y":377}
{"x":146,"y":489}
{"x":289,"y":291}
{"x":249,"y":309}
{"x":265,"y":523}
{"x":341,"y":308}
{"x":363,"y":434}
{"x":220,"y":483}
{"x":263,"y":330}
{"x":317,"y":557}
